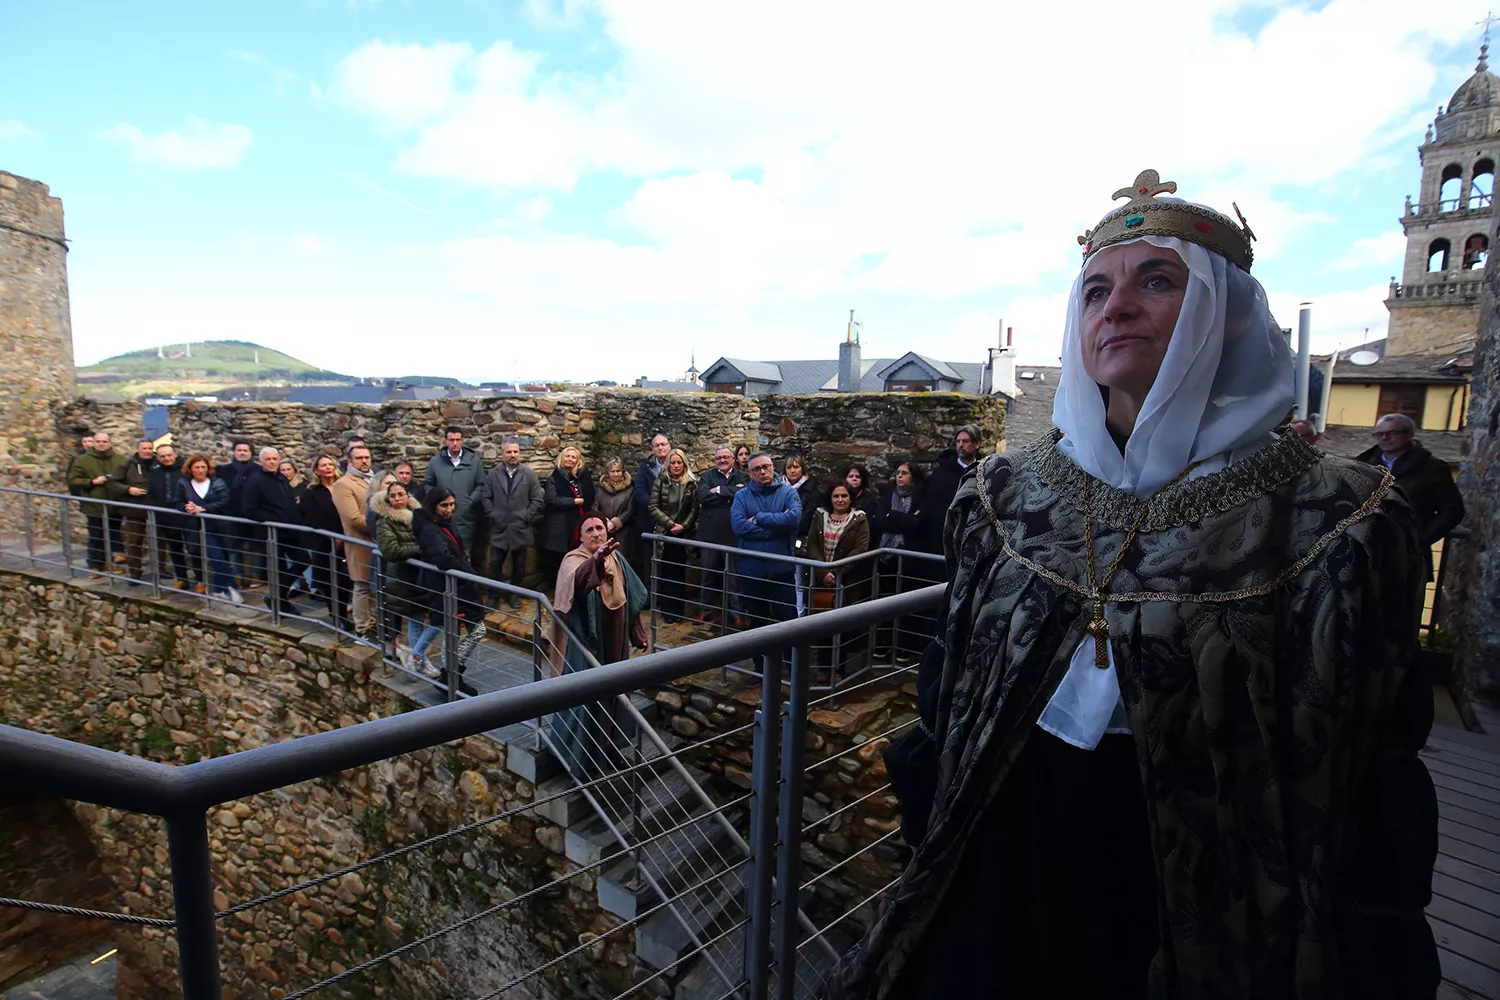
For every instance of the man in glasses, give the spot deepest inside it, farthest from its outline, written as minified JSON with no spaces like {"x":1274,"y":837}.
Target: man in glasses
{"x":1421,"y":475}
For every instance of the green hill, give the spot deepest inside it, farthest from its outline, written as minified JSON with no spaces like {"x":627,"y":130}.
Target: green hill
{"x":234,"y":360}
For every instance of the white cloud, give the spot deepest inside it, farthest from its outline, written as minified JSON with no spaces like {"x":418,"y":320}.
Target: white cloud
{"x":307,"y":244}
{"x":400,"y":85}
{"x":1373,"y":252}
{"x":281,"y":77}
{"x":1339,"y":319}
{"x":200,"y":144}
{"x":11,"y":129}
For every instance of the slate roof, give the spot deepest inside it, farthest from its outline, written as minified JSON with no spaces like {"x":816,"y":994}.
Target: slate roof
{"x":809,"y":377}
{"x":1030,"y":414}
{"x":1402,"y":367}
{"x":1348,"y":441}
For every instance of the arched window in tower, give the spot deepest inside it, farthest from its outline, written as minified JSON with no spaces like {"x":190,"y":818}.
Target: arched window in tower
{"x":1450,"y":195}
{"x":1437,"y":256}
{"x":1483,"y":186}
{"x":1476,"y":250}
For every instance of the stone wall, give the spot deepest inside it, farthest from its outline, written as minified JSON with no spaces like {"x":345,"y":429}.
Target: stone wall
{"x":1472,"y":586}
{"x":36,"y":334}
{"x":1430,"y":326}
{"x":882,"y":430}
{"x":171,"y":681}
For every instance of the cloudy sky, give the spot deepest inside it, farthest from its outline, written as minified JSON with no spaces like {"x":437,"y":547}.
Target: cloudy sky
{"x":596,"y":188}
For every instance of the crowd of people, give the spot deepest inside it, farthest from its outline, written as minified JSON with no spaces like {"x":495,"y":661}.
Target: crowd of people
{"x":748,"y":518}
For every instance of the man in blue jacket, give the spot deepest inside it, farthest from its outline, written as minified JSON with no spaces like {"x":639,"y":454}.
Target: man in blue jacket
{"x":645,"y":481}
{"x":765,"y":516}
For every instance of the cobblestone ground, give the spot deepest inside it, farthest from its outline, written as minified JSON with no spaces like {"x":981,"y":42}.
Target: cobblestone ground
{"x":80,"y":979}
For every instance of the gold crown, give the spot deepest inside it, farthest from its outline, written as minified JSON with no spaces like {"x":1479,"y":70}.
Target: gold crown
{"x":1143,"y":215}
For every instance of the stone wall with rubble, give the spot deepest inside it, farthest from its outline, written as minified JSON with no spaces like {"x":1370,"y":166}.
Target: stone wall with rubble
{"x":171,"y":681}
{"x":844,"y":793}
{"x":879,"y":429}
{"x":36,"y":334}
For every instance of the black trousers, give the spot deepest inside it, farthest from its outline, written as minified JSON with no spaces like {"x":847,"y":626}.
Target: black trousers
{"x":517,"y":559}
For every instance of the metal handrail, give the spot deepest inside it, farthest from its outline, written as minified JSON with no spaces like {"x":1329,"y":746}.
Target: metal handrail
{"x":696,"y":543}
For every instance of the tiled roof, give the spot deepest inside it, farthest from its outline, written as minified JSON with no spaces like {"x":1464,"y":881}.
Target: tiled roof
{"x":1030,"y":413}
{"x":1400,"y":367}
{"x":809,"y":377}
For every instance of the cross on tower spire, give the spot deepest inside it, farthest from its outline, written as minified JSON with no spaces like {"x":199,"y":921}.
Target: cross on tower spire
{"x":1484,"y":47}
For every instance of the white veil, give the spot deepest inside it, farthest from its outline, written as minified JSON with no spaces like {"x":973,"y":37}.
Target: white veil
{"x":1226,"y":380}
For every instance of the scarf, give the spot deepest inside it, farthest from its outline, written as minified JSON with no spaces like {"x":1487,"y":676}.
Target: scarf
{"x":611,"y":581}
{"x":833,"y":531}
{"x":900,"y":501}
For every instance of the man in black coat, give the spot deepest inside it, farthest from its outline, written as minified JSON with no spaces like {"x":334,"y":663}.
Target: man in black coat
{"x":942,"y":485}
{"x":716,"y":490}
{"x":1421,"y":475}
{"x":236,"y":537}
{"x":267,"y":497}
{"x":645,"y":482}
{"x":161,"y":489}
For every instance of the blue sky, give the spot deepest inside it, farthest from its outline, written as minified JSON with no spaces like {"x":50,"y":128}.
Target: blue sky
{"x":596,"y":188}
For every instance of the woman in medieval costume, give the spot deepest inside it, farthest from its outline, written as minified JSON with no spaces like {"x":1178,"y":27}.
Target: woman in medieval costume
{"x":1172,"y":714}
{"x":598,"y":601}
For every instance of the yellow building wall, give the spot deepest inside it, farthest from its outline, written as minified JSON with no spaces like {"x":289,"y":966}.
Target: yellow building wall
{"x":1437,"y":416}
{"x":1354,"y":405}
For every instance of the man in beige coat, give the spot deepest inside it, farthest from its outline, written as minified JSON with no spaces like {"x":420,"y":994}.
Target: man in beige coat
{"x":349,"y":494}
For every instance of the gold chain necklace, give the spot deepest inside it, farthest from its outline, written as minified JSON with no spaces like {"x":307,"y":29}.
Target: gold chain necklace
{"x":1098,"y":626}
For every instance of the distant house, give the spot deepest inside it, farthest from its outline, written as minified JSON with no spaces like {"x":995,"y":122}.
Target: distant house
{"x":1431,"y":389}
{"x":1029,"y":415}
{"x":912,"y":372}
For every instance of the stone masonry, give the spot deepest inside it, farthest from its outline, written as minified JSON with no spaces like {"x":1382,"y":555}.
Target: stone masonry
{"x":36,"y":336}
{"x":1472,"y":586}
{"x":170,"y":681}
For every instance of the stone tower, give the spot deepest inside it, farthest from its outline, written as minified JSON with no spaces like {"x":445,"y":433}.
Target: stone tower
{"x":36,"y":332}
{"x":1435,"y":306}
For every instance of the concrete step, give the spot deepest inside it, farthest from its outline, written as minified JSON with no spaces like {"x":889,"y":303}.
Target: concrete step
{"x":587,"y":842}
{"x":566,"y":811}
{"x":667,"y":936}
{"x":682,"y":858}
{"x":536,"y":766}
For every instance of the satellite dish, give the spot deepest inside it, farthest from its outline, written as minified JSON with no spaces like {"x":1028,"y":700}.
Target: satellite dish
{"x":1364,"y":358}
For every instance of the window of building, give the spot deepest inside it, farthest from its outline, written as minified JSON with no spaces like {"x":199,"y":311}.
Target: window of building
{"x":1437,"y":255}
{"x":1451,"y":194}
{"x":731,"y":388}
{"x":910,"y":386}
{"x":1407,"y":399}
{"x":1483,"y":185}
{"x":1476,"y":249}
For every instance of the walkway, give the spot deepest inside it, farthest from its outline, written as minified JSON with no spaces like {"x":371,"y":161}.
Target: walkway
{"x":87,"y":977}
{"x":1465,"y":910}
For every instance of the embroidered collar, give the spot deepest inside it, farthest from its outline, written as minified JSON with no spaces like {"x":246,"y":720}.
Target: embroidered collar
{"x":1262,"y":472}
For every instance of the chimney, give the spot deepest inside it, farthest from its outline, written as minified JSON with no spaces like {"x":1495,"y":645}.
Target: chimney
{"x":850,"y":363}
{"x":1003,"y":366}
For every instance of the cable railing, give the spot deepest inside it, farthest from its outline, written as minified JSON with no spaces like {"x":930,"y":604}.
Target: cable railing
{"x":727,"y":894}
{"x":692,"y":602}
{"x":699,"y":882}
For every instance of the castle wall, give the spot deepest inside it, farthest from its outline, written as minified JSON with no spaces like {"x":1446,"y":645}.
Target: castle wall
{"x":36,"y":334}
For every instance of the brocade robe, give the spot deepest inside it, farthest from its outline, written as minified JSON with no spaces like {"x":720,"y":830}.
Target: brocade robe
{"x":1263,"y":624}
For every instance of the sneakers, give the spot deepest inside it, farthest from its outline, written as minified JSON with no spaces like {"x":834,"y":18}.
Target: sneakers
{"x":236,"y":596}
{"x":426,"y":666}
{"x":405,"y":658}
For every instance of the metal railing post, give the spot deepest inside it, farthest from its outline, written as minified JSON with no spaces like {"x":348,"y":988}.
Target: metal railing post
{"x":30,"y":528}
{"x":789,"y":861}
{"x":763,"y":827}
{"x":377,"y":594}
{"x":273,"y":574}
{"x":153,"y":553}
{"x":205,"y":575}
{"x":66,"y":528}
{"x":536,"y":666}
{"x":193,"y":906}
{"x":335,"y":594}
{"x":450,"y":634}
{"x":655,"y":586}
{"x":109,"y":553}
{"x":836,"y":661}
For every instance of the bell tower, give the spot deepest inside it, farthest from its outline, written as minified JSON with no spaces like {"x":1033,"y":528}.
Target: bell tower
{"x":1434,"y":307}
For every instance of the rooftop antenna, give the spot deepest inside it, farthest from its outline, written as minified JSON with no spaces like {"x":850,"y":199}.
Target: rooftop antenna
{"x":852,"y":337}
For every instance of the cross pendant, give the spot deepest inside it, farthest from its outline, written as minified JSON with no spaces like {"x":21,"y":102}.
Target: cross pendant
{"x":1099,"y":629}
